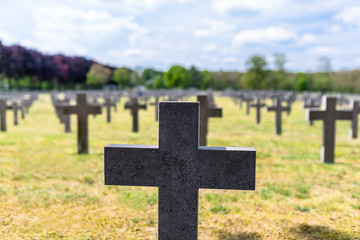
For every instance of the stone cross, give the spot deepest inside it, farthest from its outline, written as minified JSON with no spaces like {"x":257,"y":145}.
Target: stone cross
{"x":108,"y":104}
{"x":15,"y":107}
{"x":134,"y":107}
{"x":82,"y":110}
{"x":156,"y":104}
{"x":258,"y":105}
{"x":3,"y":115}
{"x":355,"y":106}
{"x":178,"y":166}
{"x":248,"y":101}
{"x":311,"y":103}
{"x":278,"y":109}
{"x":205,"y":114}
{"x":329,"y":115}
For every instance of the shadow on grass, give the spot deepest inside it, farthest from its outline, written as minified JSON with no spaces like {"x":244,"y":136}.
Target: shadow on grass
{"x":223,"y":235}
{"x":307,"y":232}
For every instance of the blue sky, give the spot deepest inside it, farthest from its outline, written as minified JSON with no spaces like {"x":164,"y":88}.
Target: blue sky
{"x":210,"y":34}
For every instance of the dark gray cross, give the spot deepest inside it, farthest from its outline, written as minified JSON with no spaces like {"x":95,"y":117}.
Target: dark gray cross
{"x":178,"y":166}
{"x":205,"y":114}
{"x":82,"y":110}
{"x":156,"y":104}
{"x":108,"y":104}
{"x":15,"y":107}
{"x":329,"y":115}
{"x":248,"y":101}
{"x":258,"y":105}
{"x":355,"y":106}
{"x":134,"y":107}
{"x":311,"y":103}
{"x":278,"y":109}
{"x":3,"y":108}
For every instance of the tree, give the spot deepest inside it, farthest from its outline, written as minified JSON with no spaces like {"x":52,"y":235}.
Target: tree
{"x":322,"y":79}
{"x":206,"y":76}
{"x":149,"y":76}
{"x":97,"y":76}
{"x":159,"y":82}
{"x":196,"y":77}
{"x":302,"y":82}
{"x":122,"y":77}
{"x":177,"y":77}
{"x":280,"y":61}
{"x":254,"y":78}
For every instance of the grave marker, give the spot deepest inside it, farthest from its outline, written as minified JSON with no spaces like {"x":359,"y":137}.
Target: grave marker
{"x":134,"y":107}
{"x":329,"y":115}
{"x":82,"y":110}
{"x":178,"y":166}
{"x":355,"y":106}
{"x":258,"y":105}
{"x":278,"y":109}
{"x":205,"y":114}
{"x":3,"y":108}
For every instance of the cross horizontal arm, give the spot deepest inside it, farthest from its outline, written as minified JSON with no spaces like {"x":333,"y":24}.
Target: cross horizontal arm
{"x":227,"y":168}
{"x":94,"y":109}
{"x":344,"y":115}
{"x":314,"y":114}
{"x":215,"y":112}
{"x":271,"y":108}
{"x":131,"y":165}
{"x":68,"y":109}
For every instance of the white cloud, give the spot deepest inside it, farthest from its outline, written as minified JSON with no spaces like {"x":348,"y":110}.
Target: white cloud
{"x":324,"y":51}
{"x":209,"y":48}
{"x":6,"y":38}
{"x":212,"y":28}
{"x":225,"y":6}
{"x":276,"y":34}
{"x":350,"y":15}
{"x":307,"y":38}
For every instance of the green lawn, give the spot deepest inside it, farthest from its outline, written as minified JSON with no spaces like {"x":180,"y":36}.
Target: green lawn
{"x":47,"y":191}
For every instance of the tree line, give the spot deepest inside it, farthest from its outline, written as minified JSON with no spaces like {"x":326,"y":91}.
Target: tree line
{"x":23,"y":68}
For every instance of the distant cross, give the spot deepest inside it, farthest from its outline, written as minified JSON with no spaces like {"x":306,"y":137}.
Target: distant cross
{"x":108,"y":104}
{"x":355,"y":106}
{"x":248,"y":101}
{"x":311,"y":103}
{"x":258,"y":105}
{"x":179,"y":167}
{"x":82,"y":110}
{"x":3,"y":108}
{"x":205,"y":114}
{"x":66,"y":118}
{"x":329,"y":115}
{"x":156,"y":104}
{"x":15,"y":107}
{"x":134,"y":107}
{"x":278,"y":109}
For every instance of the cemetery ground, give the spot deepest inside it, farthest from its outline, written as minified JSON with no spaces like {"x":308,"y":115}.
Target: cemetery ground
{"x":48,"y":191}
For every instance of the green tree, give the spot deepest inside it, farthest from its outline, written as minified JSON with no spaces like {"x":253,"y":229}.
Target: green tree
{"x":255,"y":77}
{"x":178,"y":77}
{"x":322,"y":78}
{"x":122,"y":77}
{"x":206,"y":80}
{"x":97,"y":75}
{"x":302,"y":82}
{"x":159,"y":82}
{"x":196,"y":77}
{"x":149,"y":76}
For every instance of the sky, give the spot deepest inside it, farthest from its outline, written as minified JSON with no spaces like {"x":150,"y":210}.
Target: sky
{"x":210,"y":34}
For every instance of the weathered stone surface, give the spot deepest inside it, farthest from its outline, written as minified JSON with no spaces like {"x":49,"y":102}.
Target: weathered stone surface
{"x":278,"y":109}
{"x":134,"y":107}
{"x":179,"y":167}
{"x":329,"y":115}
{"x":82,"y":110}
{"x":205,"y":114}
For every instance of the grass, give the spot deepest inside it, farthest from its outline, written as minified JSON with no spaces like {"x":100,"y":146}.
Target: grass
{"x":47,"y":191}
